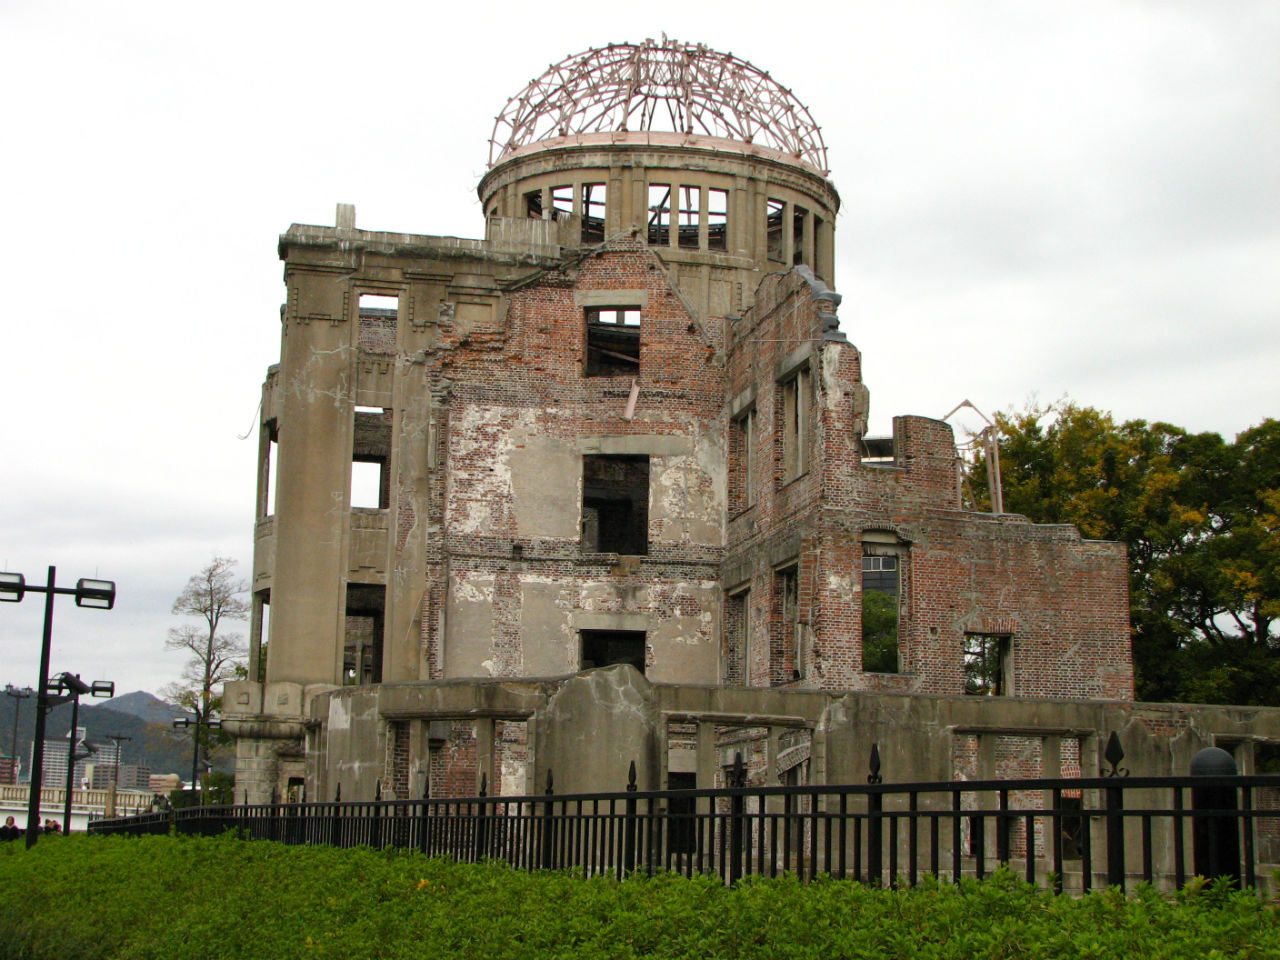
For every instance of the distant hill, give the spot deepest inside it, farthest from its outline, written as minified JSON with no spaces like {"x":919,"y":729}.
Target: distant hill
{"x":153,"y":742}
{"x":145,"y":706}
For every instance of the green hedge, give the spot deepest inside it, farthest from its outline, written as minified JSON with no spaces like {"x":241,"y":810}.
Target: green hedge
{"x":121,"y":898}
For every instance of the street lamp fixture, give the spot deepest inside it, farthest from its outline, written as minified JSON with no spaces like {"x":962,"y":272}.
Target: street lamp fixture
{"x":211,"y":723}
{"x":13,"y":587}
{"x":98,"y":594}
{"x":69,"y":687}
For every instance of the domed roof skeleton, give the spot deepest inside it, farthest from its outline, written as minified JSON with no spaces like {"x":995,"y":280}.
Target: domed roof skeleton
{"x":669,"y":86}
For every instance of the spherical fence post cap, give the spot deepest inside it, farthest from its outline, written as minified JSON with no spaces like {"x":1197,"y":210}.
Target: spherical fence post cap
{"x":1213,"y":762}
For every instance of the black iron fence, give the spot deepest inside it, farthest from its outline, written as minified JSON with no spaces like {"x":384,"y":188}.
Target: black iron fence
{"x":1072,"y":834}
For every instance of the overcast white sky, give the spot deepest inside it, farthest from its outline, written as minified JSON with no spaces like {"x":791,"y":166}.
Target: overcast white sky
{"x":1038,"y":199}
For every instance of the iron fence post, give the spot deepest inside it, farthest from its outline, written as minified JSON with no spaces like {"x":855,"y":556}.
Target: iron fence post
{"x":481,"y":838}
{"x":875,"y":813}
{"x":335,"y":829}
{"x":737,"y":818}
{"x":1115,"y":813}
{"x":629,"y":823}
{"x":548,"y":824}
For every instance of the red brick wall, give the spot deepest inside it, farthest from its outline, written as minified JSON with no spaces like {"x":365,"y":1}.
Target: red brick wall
{"x":1062,"y":601}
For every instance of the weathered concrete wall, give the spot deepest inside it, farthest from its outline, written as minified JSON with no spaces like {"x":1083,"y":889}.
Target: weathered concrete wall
{"x":522,"y":417}
{"x":587,"y":729}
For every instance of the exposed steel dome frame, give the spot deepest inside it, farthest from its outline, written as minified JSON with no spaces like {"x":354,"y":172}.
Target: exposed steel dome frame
{"x":668,"y":86}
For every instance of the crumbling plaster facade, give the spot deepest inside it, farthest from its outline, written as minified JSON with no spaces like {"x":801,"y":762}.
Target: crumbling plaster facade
{"x":623,"y":507}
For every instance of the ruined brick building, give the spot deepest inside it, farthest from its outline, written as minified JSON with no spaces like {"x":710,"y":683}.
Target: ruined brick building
{"x":597,"y":488}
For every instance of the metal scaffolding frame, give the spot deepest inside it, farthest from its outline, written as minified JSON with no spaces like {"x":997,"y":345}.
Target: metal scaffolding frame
{"x":665,"y":85}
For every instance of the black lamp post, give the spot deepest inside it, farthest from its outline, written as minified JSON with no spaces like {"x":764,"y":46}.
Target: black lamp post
{"x":99,"y":594}
{"x":18,"y":696}
{"x":210,"y":723}
{"x":115,"y":774}
{"x":69,"y":687}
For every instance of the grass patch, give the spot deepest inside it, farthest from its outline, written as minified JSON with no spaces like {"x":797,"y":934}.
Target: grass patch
{"x":200,"y":899}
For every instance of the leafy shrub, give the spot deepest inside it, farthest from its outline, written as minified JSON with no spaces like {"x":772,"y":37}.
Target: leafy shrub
{"x":197,"y":899}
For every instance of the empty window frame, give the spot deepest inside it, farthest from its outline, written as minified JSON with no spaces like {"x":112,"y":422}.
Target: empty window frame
{"x":362,"y":638}
{"x":259,"y":635}
{"x":689,"y":216}
{"x":737,"y":610}
{"x":371,"y":459}
{"x":561,"y":201}
{"x":270,"y":459}
{"x":377,"y":324}
{"x":796,"y":411}
{"x":593,"y":212}
{"x":717,"y":219}
{"x":819,"y":245}
{"x":798,"y":253}
{"x":615,"y":504}
{"x":533,"y":204}
{"x":881,"y":589}
{"x":659,"y":214}
{"x":783,"y":660}
{"x":742,"y":462}
{"x":773,"y":214}
{"x":986,"y":664}
{"x":613,"y":341}
{"x":602,"y":648}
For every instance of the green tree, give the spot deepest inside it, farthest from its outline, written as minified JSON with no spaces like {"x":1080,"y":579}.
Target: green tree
{"x":1199,"y":516}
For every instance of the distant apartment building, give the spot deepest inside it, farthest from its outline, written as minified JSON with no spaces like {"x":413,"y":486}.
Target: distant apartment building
{"x":88,"y":753}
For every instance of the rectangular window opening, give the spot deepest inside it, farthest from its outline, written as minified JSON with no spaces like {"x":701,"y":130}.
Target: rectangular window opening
{"x":270,"y":468}
{"x":593,"y":212}
{"x":603,"y":648}
{"x":736,"y":612}
{"x":613,"y":341}
{"x":773,"y":212}
{"x":881,"y":587}
{"x":362,"y":638}
{"x":533,"y":204}
{"x":717,"y":219}
{"x":819,"y":242}
{"x":615,"y":504}
{"x":783,"y":662}
{"x":798,"y":252}
{"x":376,"y":333}
{"x":742,"y":468}
{"x":371,"y":459}
{"x":561,"y":201}
{"x":986,"y":664}
{"x":795,"y":425}
{"x":690,"y":216}
{"x":659,"y":214}
{"x":260,"y":635}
